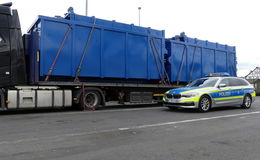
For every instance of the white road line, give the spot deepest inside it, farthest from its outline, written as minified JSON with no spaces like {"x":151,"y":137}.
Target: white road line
{"x":125,"y":128}
{"x":99,"y":111}
{"x":88,"y":112}
{"x":188,"y":121}
{"x":19,"y":141}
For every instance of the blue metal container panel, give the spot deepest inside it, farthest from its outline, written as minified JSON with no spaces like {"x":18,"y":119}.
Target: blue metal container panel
{"x":194,"y":67}
{"x":156,"y":60}
{"x":115,"y":50}
{"x":191,"y":58}
{"x":221,"y":61}
{"x":177,"y":55}
{"x":51,"y":37}
{"x":208,"y":61}
{"x":196,"y":71}
{"x":137,"y":45}
{"x":232,"y":62}
{"x":113,"y":59}
{"x":92,"y":63}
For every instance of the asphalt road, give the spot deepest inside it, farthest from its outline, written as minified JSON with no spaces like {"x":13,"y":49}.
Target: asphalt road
{"x":125,"y":133}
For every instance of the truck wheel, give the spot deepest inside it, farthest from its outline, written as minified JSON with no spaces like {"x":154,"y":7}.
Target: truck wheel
{"x":204,"y":104}
{"x":247,"y":102}
{"x":90,"y":101}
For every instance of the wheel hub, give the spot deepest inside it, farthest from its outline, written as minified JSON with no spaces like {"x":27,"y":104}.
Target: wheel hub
{"x":205,"y":104}
{"x":247,"y":101}
{"x":91,"y":100}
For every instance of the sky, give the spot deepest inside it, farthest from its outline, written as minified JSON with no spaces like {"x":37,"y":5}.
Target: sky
{"x":231,"y":22}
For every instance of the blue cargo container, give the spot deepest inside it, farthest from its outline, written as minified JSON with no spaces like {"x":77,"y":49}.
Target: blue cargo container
{"x":88,"y":61}
{"x":112,"y":49}
{"x":191,"y":58}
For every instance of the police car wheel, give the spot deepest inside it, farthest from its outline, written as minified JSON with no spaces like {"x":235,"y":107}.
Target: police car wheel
{"x":204,"y":104}
{"x":247,"y":102}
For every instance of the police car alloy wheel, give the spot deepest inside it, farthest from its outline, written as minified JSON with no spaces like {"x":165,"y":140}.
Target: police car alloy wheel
{"x":247,"y":102}
{"x":204,"y":104}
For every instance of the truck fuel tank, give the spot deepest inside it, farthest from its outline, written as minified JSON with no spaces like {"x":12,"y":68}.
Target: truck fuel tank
{"x":37,"y":98}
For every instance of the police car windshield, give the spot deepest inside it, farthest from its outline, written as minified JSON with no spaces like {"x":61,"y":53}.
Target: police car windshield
{"x":203,"y":82}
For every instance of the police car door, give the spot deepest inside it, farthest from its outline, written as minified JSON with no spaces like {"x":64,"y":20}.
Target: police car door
{"x":224,"y":93}
{"x":237,"y":89}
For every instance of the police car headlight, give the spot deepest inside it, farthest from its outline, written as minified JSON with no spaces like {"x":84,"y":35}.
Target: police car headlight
{"x":188,"y":95}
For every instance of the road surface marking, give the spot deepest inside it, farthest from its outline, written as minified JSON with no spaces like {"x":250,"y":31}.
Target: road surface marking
{"x":62,"y":136}
{"x":19,"y":141}
{"x":87,"y":112}
{"x":188,"y":121}
{"x":108,"y":111}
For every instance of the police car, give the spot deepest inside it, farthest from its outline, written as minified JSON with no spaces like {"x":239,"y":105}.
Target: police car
{"x":211,"y":91}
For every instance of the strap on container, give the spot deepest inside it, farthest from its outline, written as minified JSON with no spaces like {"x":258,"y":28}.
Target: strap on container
{"x":156,"y":61}
{"x":232,"y":66}
{"x":84,"y":52}
{"x":58,"y":53}
{"x":192,"y":66}
{"x":161,"y":60}
{"x":181,"y":66}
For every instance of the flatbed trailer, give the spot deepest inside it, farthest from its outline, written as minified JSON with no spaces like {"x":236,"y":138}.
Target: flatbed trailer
{"x":86,"y":62}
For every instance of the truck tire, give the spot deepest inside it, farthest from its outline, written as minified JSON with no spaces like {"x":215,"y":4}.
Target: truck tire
{"x":91,"y":100}
{"x":204,"y":104}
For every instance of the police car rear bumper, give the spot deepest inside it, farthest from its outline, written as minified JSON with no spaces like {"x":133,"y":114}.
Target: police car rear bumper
{"x":253,"y":98}
{"x":181,"y":105}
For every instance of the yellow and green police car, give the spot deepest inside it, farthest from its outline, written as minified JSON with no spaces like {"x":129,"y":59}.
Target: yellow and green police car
{"x":209,"y":92}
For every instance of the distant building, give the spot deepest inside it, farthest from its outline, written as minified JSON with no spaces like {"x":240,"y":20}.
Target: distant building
{"x":254,"y":78}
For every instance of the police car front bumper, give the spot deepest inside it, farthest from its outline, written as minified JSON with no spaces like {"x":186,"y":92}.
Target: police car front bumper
{"x":181,"y":104}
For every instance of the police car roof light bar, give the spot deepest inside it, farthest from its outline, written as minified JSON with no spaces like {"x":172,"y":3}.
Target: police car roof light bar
{"x":219,"y":74}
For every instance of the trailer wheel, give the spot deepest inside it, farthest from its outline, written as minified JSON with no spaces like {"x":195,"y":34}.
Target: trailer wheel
{"x":91,"y":100}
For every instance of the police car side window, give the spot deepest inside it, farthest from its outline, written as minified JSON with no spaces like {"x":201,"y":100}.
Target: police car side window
{"x":224,"y":81}
{"x":233,"y":82}
{"x":237,"y":82}
{"x":242,"y":82}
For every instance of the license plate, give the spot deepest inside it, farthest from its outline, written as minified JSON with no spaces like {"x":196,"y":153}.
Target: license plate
{"x":174,"y":100}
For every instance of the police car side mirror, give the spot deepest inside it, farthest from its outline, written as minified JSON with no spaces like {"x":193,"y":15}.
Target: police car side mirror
{"x":222,"y":85}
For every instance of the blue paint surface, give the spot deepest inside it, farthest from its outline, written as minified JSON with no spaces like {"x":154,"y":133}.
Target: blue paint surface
{"x":191,"y":58}
{"x":180,"y":90}
{"x":116,"y":50}
{"x":122,"y":52}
